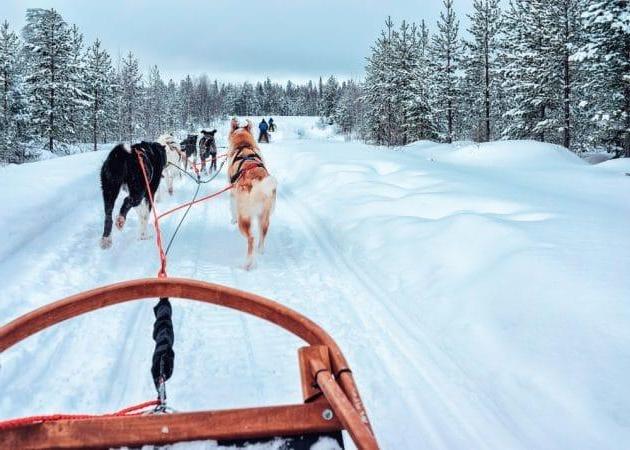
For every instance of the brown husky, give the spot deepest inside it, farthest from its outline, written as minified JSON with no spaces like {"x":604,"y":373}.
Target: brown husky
{"x":254,"y":192}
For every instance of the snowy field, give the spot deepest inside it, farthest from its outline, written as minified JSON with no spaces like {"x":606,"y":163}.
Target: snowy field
{"x":480,"y":293}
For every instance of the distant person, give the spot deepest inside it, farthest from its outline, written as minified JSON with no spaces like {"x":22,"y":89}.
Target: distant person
{"x":264,"y":135}
{"x":272,"y":126}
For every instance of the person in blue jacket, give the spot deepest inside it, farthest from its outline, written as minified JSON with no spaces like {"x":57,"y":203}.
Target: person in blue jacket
{"x":264,"y":135}
{"x":272,"y":126}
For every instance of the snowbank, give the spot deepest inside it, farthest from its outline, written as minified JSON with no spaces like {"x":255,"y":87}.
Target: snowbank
{"x":620,"y":165}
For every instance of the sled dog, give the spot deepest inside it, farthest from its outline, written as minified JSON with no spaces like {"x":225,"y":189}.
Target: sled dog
{"x":121,"y":167}
{"x":254,"y":192}
{"x":174,"y":158}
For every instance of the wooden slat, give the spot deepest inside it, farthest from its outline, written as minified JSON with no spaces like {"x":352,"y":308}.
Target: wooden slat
{"x":310,"y":391}
{"x":350,"y":418}
{"x":233,"y":424}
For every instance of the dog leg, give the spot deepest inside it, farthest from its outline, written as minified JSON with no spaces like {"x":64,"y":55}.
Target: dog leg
{"x":128,"y":203}
{"x":263,"y":223}
{"x":233,"y":208}
{"x":109,"y":198}
{"x":244,"y":225}
{"x":143,"y":214}
{"x":169,"y":180}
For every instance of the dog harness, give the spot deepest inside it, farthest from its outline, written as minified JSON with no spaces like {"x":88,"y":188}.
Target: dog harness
{"x":242,"y":160}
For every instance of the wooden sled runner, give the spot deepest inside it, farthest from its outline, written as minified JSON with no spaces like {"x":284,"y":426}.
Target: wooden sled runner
{"x":331,"y":399}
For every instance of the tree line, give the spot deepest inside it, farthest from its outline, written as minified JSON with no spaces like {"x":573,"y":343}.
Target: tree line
{"x":556,"y":71}
{"x":56,"y":91}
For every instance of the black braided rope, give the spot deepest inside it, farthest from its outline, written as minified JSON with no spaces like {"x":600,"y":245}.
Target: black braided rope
{"x":164,"y":337}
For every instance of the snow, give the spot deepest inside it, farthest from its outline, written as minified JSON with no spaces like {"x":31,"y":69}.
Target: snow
{"x":621,"y":165}
{"x":479,"y":292}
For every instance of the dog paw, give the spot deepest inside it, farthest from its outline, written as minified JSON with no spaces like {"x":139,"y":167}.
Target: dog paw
{"x":106,"y":242}
{"x":120,"y":222}
{"x":261,"y":250}
{"x":249,"y":265}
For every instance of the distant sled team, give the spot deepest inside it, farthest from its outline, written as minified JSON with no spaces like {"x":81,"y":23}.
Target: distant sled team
{"x":207,"y":150}
{"x":252,"y":197}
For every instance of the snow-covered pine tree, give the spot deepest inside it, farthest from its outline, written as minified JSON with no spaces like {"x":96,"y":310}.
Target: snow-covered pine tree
{"x":378,"y":126}
{"x":481,"y":67}
{"x":155,"y":104}
{"x":606,"y":57}
{"x":13,"y":107}
{"x":329,"y":98}
{"x":414,"y":116}
{"x":47,"y":45}
{"x":186,"y":93}
{"x":539,"y":76}
{"x":156,"y":92}
{"x":446,"y":56}
{"x":563,"y":20}
{"x":98,"y":87}
{"x":76,"y":108}
{"x":229,"y":96}
{"x":246,"y":100}
{"x":172,"y":106}
{"x":202,"y":100}
{"x":130,"y":96}
{"x":215,"y":100}
{"x":526,"y":72}
{"x":349,"y":108}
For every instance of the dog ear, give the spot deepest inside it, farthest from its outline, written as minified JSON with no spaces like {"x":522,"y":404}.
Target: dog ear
{"x":212,"y":132}
{"x":234,"y":124}
{"x":248,"y":127}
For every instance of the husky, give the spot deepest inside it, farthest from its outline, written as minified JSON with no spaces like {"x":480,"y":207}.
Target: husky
{"x":121,"y":167}
{"x":174,"y":158}
{"x":189,"y":147}
{"x":254,"y":193}
{"x":208,"y":149}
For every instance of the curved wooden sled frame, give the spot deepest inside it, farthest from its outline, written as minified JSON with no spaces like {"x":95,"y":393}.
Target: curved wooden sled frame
{"x":327,"y":382}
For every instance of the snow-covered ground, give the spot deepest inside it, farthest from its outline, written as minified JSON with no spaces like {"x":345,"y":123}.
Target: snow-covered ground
{"x":480,"y":293}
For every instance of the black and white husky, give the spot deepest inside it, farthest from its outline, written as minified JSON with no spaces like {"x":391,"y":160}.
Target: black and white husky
{"x":122,"y":168}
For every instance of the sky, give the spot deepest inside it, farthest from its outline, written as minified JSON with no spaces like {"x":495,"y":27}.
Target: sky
{"x":239,"y":40}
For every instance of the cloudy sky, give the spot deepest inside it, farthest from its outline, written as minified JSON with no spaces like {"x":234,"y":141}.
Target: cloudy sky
{"x":239,"y":40}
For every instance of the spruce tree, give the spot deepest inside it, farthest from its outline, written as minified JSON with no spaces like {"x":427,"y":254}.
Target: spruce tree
{"x":446,"y":55}
{"x":98,"y":86}
{"x":379,"y":89}
{"x":47,"y":45}
{"x":481,"y":67}
{"x":606,"y":57}
{"x":13,"y":107}
{"x":76,"y":108}
{"x":130,"y":96}
{"x":329,"y":98}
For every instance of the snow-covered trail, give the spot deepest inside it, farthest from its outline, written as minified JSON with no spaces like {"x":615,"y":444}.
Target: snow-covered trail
{"x":429,"y":268}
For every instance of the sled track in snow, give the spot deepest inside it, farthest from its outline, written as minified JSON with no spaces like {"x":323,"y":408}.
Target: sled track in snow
{"x":390,"y":318}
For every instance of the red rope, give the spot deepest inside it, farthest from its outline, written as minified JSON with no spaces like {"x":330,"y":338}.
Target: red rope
{"x":222,"y":155}
{"x":158,"y":233}
{"x":130,"y":411}
{"x":156,"y":217}
{"x":207,"y":197}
